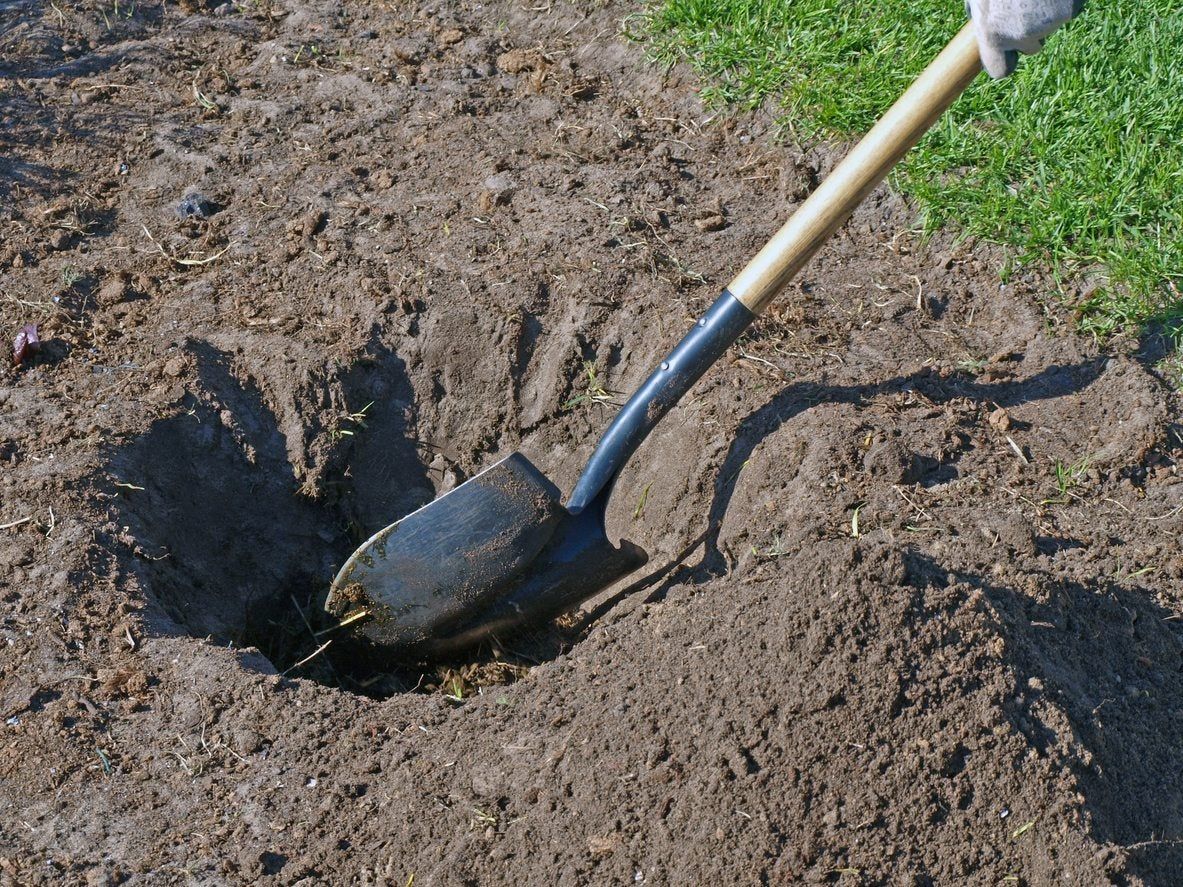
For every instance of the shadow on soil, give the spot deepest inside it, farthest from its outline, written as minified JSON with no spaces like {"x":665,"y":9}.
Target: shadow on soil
{"x":1053,"y":382}
{"x":793,"y":400}
{"x":1106,"y":654}
{"x":229,"y":548}
{"x":223,"y":538}
{"x":1111,"y":660}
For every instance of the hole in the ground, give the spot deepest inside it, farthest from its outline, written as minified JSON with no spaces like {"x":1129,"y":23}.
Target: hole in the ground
{"x":227,"y":547}
{"x":300,"y":639}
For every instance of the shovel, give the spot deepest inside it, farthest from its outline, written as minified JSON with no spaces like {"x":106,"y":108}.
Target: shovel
{"x":501,"y":551}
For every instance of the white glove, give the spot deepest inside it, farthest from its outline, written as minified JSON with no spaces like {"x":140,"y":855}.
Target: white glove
{"x":1007,"y":27}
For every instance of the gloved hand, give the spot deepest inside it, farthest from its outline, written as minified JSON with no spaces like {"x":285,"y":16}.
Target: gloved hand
{"x":1007,"y":27}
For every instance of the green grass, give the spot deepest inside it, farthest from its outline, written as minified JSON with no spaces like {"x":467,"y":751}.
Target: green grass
{"x":1076,"y":160}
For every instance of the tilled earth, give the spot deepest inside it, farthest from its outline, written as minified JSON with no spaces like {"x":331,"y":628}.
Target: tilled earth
{"x":912,"y":610}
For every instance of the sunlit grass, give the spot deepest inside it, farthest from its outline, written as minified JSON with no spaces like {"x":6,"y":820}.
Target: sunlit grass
{"x":1075,"y":161}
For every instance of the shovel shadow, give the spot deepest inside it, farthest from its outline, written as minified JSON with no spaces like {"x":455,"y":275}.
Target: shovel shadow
{"x":1111,"y":660}
{"x":1052,"y":382}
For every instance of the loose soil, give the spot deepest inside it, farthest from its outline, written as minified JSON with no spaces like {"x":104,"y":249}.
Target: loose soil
{"x":912,"y":609}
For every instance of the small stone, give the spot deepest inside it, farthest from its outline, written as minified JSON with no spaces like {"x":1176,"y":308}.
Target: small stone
{"x":518,"y":60}
{"x":451,"y":36}
{"x":195,"y":205}
{"x":491,"y":198}
{"x":603,"y":845}
{"x":313,"y":222}
{"x":26,"y":344}
{"x":1000,"y":419}
{"x":59,"y":239}
{"x":174,"y":367}
{"x":113,"y":291}
{"x":406,"y":50}
{"x":713,"y":222}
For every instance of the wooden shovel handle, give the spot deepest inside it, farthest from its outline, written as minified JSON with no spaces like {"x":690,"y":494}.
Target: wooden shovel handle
{"x":863,"y":168}
{"x":766,"y":275}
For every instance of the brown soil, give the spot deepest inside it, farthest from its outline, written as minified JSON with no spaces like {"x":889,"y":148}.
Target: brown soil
{"x":878,"y":641}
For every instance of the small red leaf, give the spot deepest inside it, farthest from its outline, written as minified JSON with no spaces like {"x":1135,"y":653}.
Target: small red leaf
{"x":25,"y":344}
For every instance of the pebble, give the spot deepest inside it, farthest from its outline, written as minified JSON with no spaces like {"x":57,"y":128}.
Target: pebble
{"x":714,"y":222}
{"x":113,"y":291}
{"x":515,"y":61}
{"x":196,"y":206}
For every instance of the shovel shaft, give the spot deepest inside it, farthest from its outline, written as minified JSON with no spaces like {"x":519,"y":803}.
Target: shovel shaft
{"x":867,"y":164}
{"x":779,"y":261}
{"x":713,"y":334}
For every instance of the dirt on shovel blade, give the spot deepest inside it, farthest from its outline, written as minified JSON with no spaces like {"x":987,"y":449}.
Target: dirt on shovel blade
{"x":912,"y":610}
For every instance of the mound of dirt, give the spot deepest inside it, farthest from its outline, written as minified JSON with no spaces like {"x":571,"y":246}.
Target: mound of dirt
{"x":912,"y":608}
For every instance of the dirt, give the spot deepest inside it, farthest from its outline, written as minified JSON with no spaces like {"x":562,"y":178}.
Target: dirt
{"x":912,"y":609}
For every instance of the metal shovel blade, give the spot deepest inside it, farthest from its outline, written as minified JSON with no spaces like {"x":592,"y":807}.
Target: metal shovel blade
{"x":576,"y":563}
{"x":426,"y":577}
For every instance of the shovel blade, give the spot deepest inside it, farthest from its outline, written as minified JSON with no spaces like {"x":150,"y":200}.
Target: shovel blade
{"x":577,"y":563}
{"x":451,"y":558}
